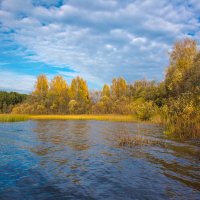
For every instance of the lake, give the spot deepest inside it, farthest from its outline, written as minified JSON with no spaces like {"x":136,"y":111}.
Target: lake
{"x":83,"y":160}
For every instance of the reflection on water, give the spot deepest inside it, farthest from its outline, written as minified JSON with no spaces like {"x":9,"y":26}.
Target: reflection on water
{"x":82,"y":160}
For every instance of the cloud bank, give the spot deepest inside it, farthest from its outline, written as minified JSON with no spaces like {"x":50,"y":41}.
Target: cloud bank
{"x":98,"y":39}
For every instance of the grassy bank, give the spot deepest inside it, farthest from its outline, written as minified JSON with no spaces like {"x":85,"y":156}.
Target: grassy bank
{"x":13,"y":118}
{"x":119,"y":118}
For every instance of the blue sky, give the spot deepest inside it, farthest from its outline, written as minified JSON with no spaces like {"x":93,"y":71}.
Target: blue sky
{"x":96,"y":39}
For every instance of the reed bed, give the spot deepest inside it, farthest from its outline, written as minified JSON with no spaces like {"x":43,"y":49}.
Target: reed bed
{"x":13,"y":118}
{"x":116,"y":118}
{"x":132,"y":141}
{"x":122,"y":118}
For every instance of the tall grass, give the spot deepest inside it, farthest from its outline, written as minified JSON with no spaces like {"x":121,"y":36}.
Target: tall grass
{"x":13,"y":118}
{"x":123,"y":118}
{"x":116,"y":118}
{"x":183,"y":128}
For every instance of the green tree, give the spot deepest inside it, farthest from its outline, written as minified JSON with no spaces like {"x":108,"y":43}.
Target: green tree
{"x":10,"y":99}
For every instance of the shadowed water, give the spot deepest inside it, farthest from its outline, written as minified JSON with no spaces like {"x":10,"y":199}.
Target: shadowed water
{"x":83,"y":160}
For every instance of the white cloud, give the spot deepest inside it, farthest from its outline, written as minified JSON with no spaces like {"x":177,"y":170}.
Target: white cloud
{"x":16,"y":6}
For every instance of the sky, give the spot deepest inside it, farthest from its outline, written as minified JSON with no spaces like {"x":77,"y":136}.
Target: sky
{"x":95,"y":39}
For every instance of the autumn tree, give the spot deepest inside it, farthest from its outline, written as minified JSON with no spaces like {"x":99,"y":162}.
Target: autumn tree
{"x":191,"y":78}
{"x":41,"y":88}
{"x":182,"y":109}
{"x":58,"y":95}
{"x":80,"y":94}
{"x":181,"y":60}
{"x":119,"y":87}
{"x":105,"y":91}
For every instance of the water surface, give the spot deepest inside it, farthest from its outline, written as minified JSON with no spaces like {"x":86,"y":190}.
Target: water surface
{"x":82,"y":160}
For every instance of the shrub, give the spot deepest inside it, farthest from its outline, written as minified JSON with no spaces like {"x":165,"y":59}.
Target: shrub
{"x":145,"y":111}
{"x":181,"y":117}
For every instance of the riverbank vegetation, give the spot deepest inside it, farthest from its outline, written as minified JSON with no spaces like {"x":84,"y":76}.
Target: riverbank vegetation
{"x":13,"y":118}
{"x":175,"y":100}
{"x":181,"y":111}
{"x":107,"y":117}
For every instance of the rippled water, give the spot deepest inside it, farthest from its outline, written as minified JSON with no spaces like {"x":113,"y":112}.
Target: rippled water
{"x":82,"y":160}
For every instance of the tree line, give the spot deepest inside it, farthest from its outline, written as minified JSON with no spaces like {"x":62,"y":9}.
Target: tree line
{"x":176,"y":99}
{"x":9,"y":99}
{"x":57,"y":97}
